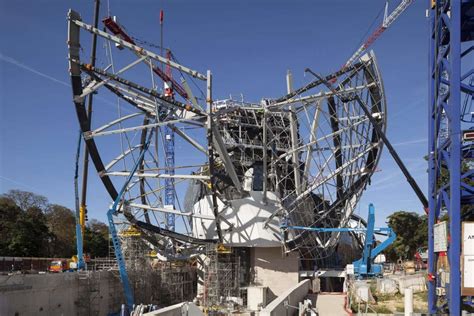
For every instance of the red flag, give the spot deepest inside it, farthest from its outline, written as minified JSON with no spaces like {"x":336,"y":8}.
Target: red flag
{"x":161,"y":16}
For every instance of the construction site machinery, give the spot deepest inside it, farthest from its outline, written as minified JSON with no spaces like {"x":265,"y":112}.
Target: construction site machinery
{"x":450,"y":152}
{"x":240,"y":168}
{"x":365,"y":266}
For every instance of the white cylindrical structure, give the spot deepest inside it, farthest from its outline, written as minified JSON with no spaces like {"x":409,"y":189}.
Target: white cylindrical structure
{"x":408,"y":302}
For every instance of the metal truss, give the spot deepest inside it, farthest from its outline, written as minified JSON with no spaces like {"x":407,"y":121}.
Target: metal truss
{"x":333,"y":152}
{"x":116,"y":140}
{"x":450,"y":151}
{"x":311,"y":153}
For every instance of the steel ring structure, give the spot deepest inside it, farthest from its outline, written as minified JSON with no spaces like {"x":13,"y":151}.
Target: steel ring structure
{"x":242,"y":172}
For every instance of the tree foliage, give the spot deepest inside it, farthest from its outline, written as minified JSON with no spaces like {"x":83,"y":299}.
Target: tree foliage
{"x":32,"y":227}
{"x":412,"y":233}
{"x":95,"y":243}
{"x":98,"y":227}
{"x":9,"y":214}
{"x":26,"y":200}
{"x":62,"y":224}
{"x":31,"y":236}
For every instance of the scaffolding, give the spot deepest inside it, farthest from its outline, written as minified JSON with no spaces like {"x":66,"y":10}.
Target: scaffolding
{"x":451,"y":150}
{"x":153,"y":281}
{"x":222,"y":277}
{"x":178,"y":281}
{"x":301,"y":160}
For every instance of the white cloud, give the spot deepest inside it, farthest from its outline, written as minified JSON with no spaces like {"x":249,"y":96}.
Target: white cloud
{"x":17,"y":63}
{"x":411,"y":142}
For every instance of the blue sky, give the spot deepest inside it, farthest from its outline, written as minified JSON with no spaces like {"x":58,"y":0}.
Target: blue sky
{"x":248,"y":45}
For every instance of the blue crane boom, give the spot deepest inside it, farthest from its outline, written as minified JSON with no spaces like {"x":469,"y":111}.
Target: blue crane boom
{"x":364,"y":267}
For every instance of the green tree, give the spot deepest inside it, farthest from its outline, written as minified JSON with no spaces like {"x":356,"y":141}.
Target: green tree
{"x":62,"y":224}
{"x":30,"y":236}
{"x":26,"y":200}
{"x":95,"y":243}
{"x":412,"y":232}
{"x":99,"y":227}
{"x":30,"y":226}
{"x":9,"y":214}
{"x":24,"y":223}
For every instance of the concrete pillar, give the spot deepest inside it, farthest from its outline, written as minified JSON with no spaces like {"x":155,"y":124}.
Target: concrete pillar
{"x":408,"y":301}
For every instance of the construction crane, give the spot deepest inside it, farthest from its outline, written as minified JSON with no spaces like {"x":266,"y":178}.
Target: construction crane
{"x":365,"y":266}
{"x":169,"y":155}
{"x":332,"y":78}
{"x":451,"y":151}
{"x":112,"y":25}
{"x":81,"y":208}
{"x":387,"y":21}
{"x":169,"y":136}
{"x":170,"y":87}
{"x":314,"y":190}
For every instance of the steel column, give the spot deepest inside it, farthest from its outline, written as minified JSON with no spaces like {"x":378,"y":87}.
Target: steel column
{"x":432,"y":256}
{"x":454,"y":164}
{"x":210,"y":149}
{"x":445,"y":141}
{"x":169,"y":182}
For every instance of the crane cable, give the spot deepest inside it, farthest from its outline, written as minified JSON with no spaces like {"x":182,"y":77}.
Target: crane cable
{"x":370,"y":28}
{"x":386,"y":23}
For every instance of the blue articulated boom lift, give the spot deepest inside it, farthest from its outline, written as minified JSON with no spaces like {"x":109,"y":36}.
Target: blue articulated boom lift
{"x":127,"y":288}
{"x":365,"y":266}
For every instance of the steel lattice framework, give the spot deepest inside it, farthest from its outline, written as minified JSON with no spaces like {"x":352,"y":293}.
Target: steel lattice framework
{"x":450,"y":153}
{"x":248,"y":169}
{"x":333,"y":153}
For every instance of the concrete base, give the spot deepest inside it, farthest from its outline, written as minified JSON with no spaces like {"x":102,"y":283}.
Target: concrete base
{"x":70,"y":293}
{"x":387,"y":286}
{"x":417,"y":282}
{"x":291,"y":297}
{"x":272,"y":269}
{"x":256,"y":297}
{"x":331,"y":304}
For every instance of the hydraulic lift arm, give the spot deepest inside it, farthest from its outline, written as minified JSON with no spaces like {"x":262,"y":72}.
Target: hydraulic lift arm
{"x":364,"y":266}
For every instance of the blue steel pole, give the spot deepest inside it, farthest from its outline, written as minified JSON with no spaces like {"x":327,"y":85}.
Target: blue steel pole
{"x":79,"y":244}
{"x":120,"y":259}
{"x":431,"y":169}
{"x":169,"y":182}
{"x":79,"y":238}
{"x":113,"y":231}
{"x":454,"y":106}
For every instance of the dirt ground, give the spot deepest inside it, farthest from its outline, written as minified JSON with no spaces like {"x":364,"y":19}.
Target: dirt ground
{"x":395,"y":303}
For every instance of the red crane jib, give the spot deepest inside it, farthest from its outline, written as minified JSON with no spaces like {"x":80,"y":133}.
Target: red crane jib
{"x":117,"y":30}
{"x":113,"y":27}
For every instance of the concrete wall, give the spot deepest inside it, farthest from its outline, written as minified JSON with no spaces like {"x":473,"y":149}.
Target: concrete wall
{"x":60,"y":294}
{"x":293,"y":296}
{"x":272,"y":269}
